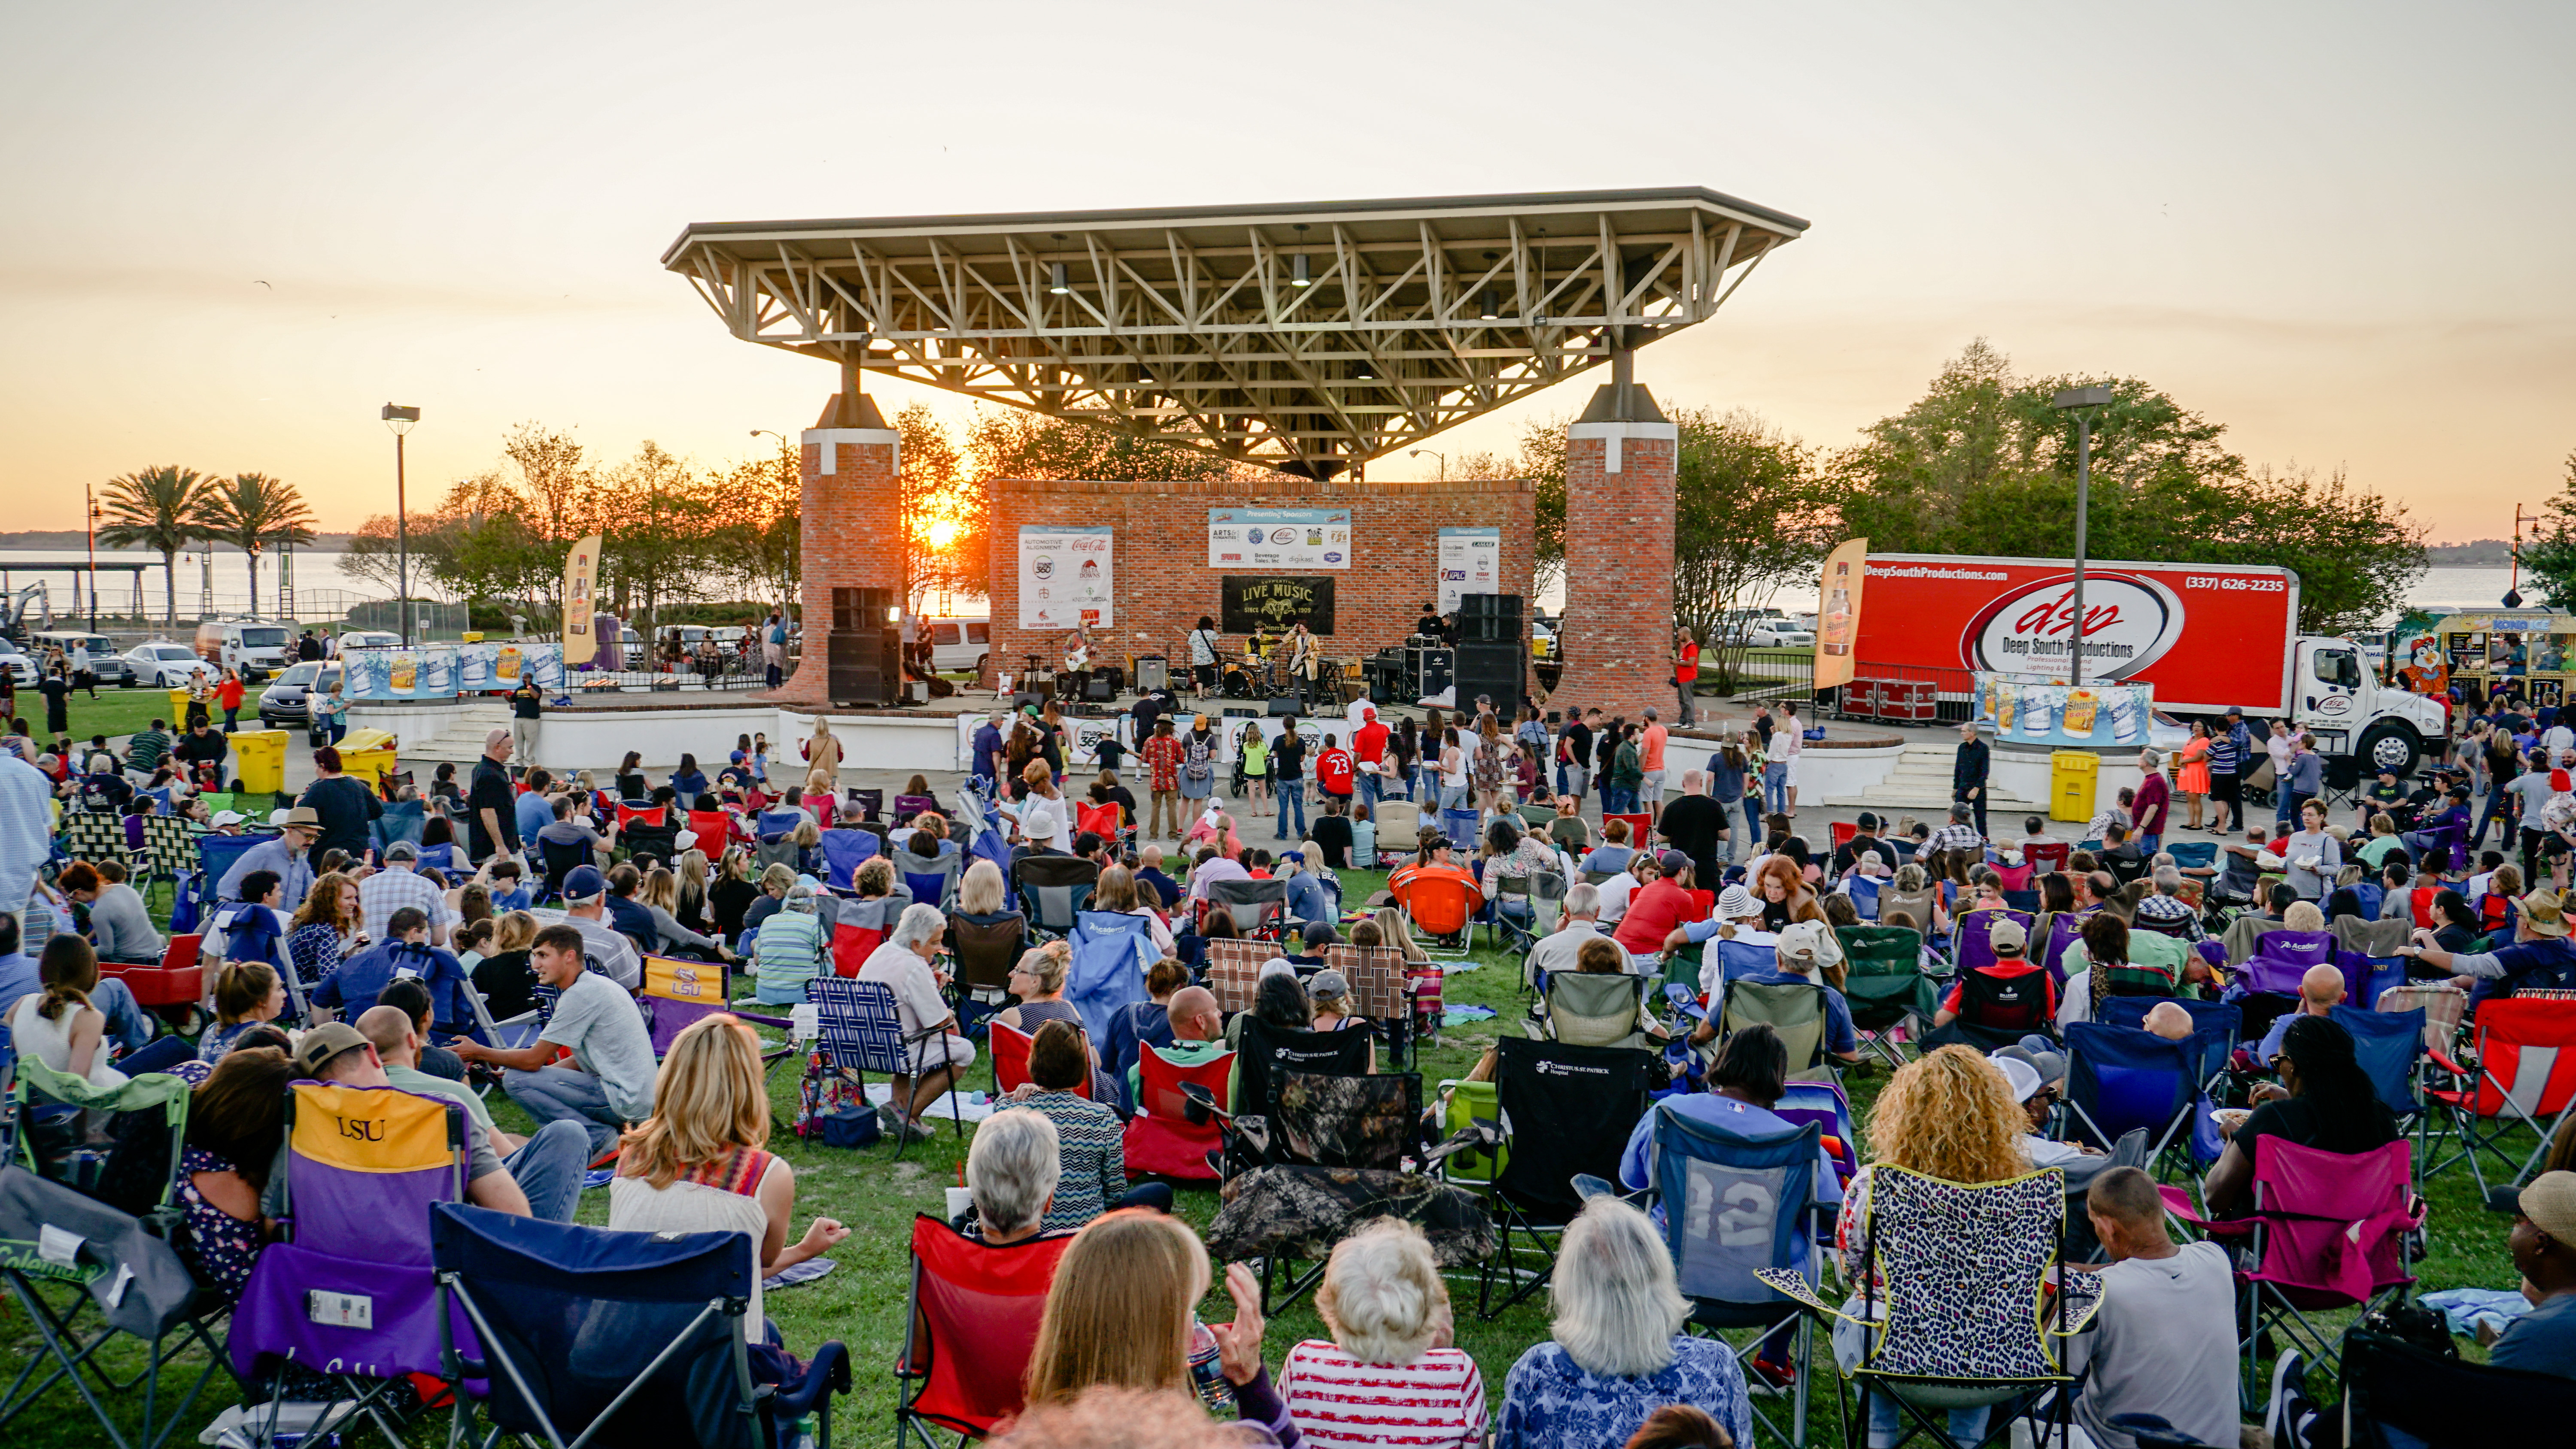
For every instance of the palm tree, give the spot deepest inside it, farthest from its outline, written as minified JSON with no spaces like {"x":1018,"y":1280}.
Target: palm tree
{"x":252,"y":509}
{"x":156,"y":508}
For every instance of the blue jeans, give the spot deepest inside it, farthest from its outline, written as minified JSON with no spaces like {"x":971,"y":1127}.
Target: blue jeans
{"x":1292,"y":793}
{"x":2150,"y":844}
{"x":1753,"y":833}
{"x":564,"y":1094}
{"x":127,"y":1025}
{"x":1453,"y":797}
{"x":161,"y":1056}
{"x":1775,"y":788}
{"x":2499,"y":807}
{"x":1617,"y":800}
{"x":1887,"y":1422}
{"x":1366,"y":784}
{"x":548,"y":1168}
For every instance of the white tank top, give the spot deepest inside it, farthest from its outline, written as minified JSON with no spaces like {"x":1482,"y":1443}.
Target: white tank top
{"x":691,"y":1207}
{"x":50,"y":1042}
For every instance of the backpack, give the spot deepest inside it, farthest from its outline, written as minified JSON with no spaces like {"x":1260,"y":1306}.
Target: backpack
{"x":251,"y":934}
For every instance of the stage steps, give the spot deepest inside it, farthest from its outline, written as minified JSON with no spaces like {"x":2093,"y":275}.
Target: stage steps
{"x":1920,"y":785}
{"x":458,"y":738}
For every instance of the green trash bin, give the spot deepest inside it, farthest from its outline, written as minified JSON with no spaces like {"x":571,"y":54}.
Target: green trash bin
{"x":259,"y":761}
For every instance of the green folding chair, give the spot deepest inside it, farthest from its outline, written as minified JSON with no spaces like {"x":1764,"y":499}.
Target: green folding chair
{"x":1883,"y":981}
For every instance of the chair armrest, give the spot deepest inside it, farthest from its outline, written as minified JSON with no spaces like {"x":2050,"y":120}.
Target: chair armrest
{"x":829,"y":1373}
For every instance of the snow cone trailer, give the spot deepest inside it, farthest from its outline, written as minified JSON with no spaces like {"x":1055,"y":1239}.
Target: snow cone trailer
{"x":2207,"y":637}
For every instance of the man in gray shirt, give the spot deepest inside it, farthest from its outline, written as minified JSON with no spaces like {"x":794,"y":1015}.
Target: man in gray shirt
{"x":2164,"y":1339}
{"x":610,"y":1083}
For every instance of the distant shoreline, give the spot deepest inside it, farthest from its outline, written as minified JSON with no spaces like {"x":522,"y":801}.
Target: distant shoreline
{"x":75,"y":539}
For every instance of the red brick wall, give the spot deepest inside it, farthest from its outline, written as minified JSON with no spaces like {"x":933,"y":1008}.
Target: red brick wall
{"x":850,"y":531}
{"x":1163,"y":582}
{"x":1618,"y":572}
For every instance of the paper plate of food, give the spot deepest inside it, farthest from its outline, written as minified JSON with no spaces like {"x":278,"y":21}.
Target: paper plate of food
{"x":2230,"y":1118}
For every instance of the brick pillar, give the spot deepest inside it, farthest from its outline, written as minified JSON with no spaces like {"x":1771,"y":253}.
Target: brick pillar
{"x":1618,"y":567}
{"x":852,"y":533}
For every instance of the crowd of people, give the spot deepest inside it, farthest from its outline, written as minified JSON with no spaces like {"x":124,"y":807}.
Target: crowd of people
{"x":367,"y":933}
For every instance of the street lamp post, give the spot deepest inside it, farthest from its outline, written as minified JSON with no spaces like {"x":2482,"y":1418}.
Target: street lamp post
{"x":401,"y":420}
{"x":89,"y":506}
{"x":1434,"y":452}
{"x":2076,"y":400}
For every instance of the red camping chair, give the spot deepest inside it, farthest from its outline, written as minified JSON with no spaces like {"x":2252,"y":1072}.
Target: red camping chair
{"x":2525,"y":1072}
{"x":1438,"y":904}
{"x":2049,"y":856}
{"x":852,"y":945}
{"x":1641,"y":828}
{"x":1842,"y":833}
{"x":630,"y":812}
{"x":1160,"y":1137}
{"x":714,"y":830}
{"x":974,"y":1314}
{"x":1106,"y":821}
{"x":1011,"y":1062}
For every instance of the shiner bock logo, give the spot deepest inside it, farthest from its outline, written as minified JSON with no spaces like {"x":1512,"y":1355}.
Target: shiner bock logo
{"x":2129,"y":622}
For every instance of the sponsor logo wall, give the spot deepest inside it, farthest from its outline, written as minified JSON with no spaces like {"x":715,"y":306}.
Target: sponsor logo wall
{"x":1470,"y":562}
{"x":1279,"y":538}
{"x":1066,"y":577}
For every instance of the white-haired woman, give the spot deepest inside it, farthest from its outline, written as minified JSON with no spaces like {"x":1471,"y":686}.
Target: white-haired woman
{"x":1389,"y":1372}
{"x":1012,"y":1170}
{"x":1616,"y":1351}
{"x":789,"y":949}
{"x":941,"y":1057}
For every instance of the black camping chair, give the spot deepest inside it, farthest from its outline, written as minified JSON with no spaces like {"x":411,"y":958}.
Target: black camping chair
{"x":2389,"y":1383}
{"x":1566,"y":1110}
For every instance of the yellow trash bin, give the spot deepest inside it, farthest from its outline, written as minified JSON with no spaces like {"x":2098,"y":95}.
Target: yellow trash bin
{"x":259,"y":760}
{"x":179,"y":709}
{"x":368,"y":754}
{"x":2071,"y":778}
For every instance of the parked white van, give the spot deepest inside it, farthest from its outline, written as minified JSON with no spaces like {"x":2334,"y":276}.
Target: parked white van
{"x":262,"y":645}
{"x":958,"y":644}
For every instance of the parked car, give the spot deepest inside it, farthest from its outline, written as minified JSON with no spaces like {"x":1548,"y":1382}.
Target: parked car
{"x":20,"y":667}
{"x":164,"y":665}
{"x":256,"y":647}
{"x":957,"y":644}
{"x":288,"y":703}
{"x":104,"y":661}
{"x":1781,"y":635}
{"x":370,"y":639}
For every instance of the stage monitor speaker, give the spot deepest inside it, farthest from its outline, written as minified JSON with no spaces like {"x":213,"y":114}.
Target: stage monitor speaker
{"x":1489,"y":606}
{"x":1027,"y":700}
{"x":862,"y":609}
{"x":1236,"y":711}
{"x":1153,"y":672}
{"x":1101,"y":689}
{"x":1491,"y":670}
{"x":1287,"y":706}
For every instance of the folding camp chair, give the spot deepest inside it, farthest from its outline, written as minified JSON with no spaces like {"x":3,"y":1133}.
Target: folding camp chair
{"x":1322,"y":1131}
{"x":2442,"y":1399}
{"x":2389,"y":1045}
{"x":861,"y":1032}
{"x":1439,"y":910}
{"x":1595,"y":1009}
{"x":1053,"y":891}
{"x":1563,"y":1110}
{"x":1735,"y":1203}
{"x":973,"y":1313}
{"x":1794,"y":1009}
{"x":1998,"y":1006}
{"x":2216,"y":1028}
{"x":1112,"y":951}
{"x":858,"y":926}
{"x":559,"y":858}
{"x":2045,"y":856}
{"x":1399,"y":823}
{"x":2193,"y":854}
{"x":677,"y":993}
{"x":1234,"y":971}
{"x":1383,"y":991}
{"x":1946,"y":1329}
{"x":590,"y":1335}
{"x":2297,"y":950}
{"x":1883,"y":981}
{"x":1257,"y":906}
{"x":1826,"y":1105}
{"x":932,"y":882}
{"x":1265,"y":1055}
{"x":714,"y":830}
{"x":1641,"y":827}
{"x":1459,"y":827}
{"x":102,"y":1168}
{"x":2329,"y":1231}
{"x":871,"y":803}
{"x":351,"y":1292}
{"x":844,"y":851}
{"x":2120,"y":1078}
{"x":2524,"y":1073}
{"x":1107,"y":821}
{"x":1162,"y":1138}
{"x":908,"y":806}
{"x":2049,"y":947}
{"x":985,"y":952}
{"x":1011,"y":1061}
{"x":1511,"y":905}
{"x":2444,"y":1006}
{"x":1970,"y":931}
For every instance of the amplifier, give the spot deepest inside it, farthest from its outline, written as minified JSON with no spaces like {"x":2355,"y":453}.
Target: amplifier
{"x":1153,"y":672}
{"x":1430,"y":669}
{"x":1236,"y":711}
{"x":1287,"y":706}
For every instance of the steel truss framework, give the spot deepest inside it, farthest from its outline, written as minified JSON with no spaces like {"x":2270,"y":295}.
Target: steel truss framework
{"x":1306,"y":336}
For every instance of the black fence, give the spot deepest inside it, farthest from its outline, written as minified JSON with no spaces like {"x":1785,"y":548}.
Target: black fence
{"x":1879,"y":693}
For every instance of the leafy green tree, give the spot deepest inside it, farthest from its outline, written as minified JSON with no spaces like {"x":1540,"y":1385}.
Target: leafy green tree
{"x":156,"y":508}
{"x":2549,"y":559}
{"x":758,"y":542}
{"x":251,"y":511}
{"x":1008,"y":443}
{"x":654,"y":518}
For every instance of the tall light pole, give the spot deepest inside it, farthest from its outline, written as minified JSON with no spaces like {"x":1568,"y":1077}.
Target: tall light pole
{"x":2075,"y":400}
{"x":1434,"y":452}
{"x":89,"y":506}
{"x":401,"y":420}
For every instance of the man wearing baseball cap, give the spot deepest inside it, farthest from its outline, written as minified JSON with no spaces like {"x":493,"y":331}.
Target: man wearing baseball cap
{"x":585,"y":893}
{"x":2541,"y":955}
{"x":2543,"y":1243}
{"x":2017,"y":995}
{"x":1805,"y":949}
{"x":284,"y":855}
{"x":491,"y":810}
{"x":399,"y":885}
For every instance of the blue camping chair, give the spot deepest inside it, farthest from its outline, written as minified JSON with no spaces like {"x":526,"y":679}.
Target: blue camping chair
{"x":861,"y":1031}
{"x":600,"y":1336}
{"x":844,"y":851}
{"x":777,"y":825}
{"x":1733,"y":1205}
{"x":2388,"y":1044}
{"x":931,"y":882}
{"x":1863,"y":891}
{"x":2216,"y":1027}
{"x":1740,"y":959}
{"x":403,"y":820}
{"x":1111,"y":954}
{"x":1460,"y":827}
{"x":217,"y":854}
{"x":2120,"y":1078}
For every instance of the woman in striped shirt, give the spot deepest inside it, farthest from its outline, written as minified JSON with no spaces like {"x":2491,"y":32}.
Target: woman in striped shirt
{"x":1388,"y":1375}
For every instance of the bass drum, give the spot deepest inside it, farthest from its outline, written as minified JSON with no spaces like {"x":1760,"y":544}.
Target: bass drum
{"x":1238,"y":685}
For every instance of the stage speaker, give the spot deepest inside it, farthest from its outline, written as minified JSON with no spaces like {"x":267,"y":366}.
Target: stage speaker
{"x":865,"y":667}
{"x":1153,"y":672}
{"x":1489,"y":606}
{"x":1027,"y":700}
{"x":1287,"y":706}
{"x":1236,"y":711}
{"x":1490,"y":629}
{"x":1492,"y":670}
{"x":1101,"y":690}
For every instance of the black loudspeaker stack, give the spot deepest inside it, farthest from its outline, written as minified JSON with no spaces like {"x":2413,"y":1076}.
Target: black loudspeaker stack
{"x":865,"y":666}
{"x":1286,"y":706}
{"x":1489,"y":618}
{"x":1491,"y":668}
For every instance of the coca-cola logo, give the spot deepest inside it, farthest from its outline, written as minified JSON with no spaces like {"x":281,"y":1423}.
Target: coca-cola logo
{"x":2129,"y":623}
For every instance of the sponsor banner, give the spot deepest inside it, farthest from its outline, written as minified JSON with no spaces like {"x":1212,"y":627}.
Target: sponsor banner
{"x":581,"y":579}
{"x":1066,"y":577}
{"x":444,"y":671}
{"x":1279,"y":538}
{"x":2203,"y":636}
{"x":1087,"y":732}
{"x":2032,"y":709}
{"x":1471,"y":562}
{"x":1253,"y":605}
{"x":1838,"y":622}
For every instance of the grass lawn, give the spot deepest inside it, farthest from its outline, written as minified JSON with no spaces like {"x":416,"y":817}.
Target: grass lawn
{"x":861,"y":1302}
{"x":116,"y":711}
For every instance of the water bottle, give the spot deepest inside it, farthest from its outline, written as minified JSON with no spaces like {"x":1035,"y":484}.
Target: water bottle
{"x":1207,"y":1370}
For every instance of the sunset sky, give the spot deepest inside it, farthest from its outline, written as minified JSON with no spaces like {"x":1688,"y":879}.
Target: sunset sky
{"x":2346,"y":231}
